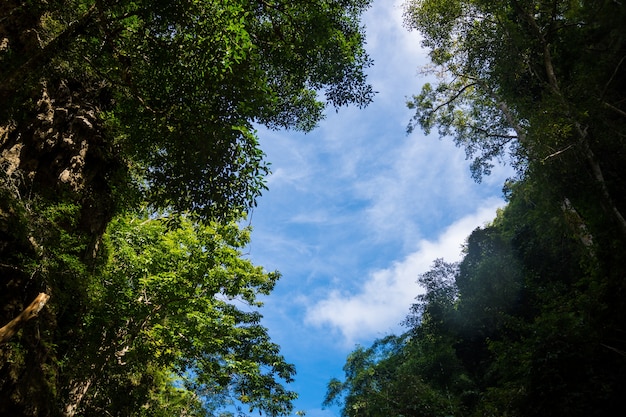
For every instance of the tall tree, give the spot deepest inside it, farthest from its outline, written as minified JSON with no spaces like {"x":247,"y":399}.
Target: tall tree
{"x":385,"y":379}
{"x":541,"y":79}
{"x":111,"y":105}
{"x":543,"y":82}
{"x":535,"y":324}
{"x":414,"y":374}
{"x":172,"y":88}
{"x":169,"y":301}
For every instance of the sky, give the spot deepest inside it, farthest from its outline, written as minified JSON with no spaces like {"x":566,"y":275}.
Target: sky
{"x":356,"y":211}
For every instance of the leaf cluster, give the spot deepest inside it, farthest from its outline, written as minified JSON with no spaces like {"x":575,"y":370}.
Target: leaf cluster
{"x":525,"y":325}
{"x":528,"y":323}
{"x":172,"y":317}
{"x":137,"y":118}
{"x":184,"y":83}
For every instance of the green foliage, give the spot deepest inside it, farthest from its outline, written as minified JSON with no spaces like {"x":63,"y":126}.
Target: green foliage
{"x":183,"y":83}
{"x":109,"y":106}
{"x":415,"y":374}
{"x":384,"y":380}
{"x":39,"y":254}
{"x":525,"y":325}
{"x":540,"y":291}
{"x":435,"y":304}
{"x":536,"y":84}
{"x":167,"y":302}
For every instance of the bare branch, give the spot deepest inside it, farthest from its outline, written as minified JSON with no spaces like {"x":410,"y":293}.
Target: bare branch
{"x":557,"y":153}
{"x":452,"y":99}
{"x":615,"y":109}
{"x":18,"y":322}
{"x":510,"y":118}
{"x":619,"y":64}
{"x":616,"y":350}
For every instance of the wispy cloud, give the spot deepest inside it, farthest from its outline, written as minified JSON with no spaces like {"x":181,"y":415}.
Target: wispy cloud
{"x":387,"y":294}
{"x":356,"y":210}
{"x":422,"y":175}
{"x":397,"y":52}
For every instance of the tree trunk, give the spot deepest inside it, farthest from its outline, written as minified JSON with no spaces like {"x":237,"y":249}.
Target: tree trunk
{"x":581,"y":132}
{"x":76,"y":395}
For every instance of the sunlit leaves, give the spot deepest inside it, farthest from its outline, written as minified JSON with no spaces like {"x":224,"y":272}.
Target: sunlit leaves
{"x":391,"y":378}
{"x":173,"y":90}
{"x":178,"y":296}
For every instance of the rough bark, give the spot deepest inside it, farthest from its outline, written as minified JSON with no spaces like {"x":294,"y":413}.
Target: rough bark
{"x":58,"y":152}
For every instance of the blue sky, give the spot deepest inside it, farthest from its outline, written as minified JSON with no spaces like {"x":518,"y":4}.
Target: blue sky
{"x":355,"y":211}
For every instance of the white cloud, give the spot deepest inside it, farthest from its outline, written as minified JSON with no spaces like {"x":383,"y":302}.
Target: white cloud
{"x":396,"y":51}
{"x":387,"y":294}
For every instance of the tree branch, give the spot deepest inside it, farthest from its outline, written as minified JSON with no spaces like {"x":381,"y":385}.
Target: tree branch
{"x":511,"y":120}
{"x":547,"y":56}
{"x":615,"y":71}
{"x":453,"y":98}
{"x":557,"y":153}
{"x":18,"y":322}
{"x":615,"y":109}
{"x":581,"y":131}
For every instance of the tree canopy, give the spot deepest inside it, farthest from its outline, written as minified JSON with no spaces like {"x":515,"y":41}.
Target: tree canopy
{"x":528,"y":324}
{"x":129,"y":157}
{"x":540,"y":80}
{"x":531,"y":322}
{"x":178,"y":85}
{"x":175,"y":297}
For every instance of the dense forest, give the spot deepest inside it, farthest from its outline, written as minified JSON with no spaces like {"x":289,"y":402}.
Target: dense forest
{"x":129,"y":163}
{"x":532,"y":321}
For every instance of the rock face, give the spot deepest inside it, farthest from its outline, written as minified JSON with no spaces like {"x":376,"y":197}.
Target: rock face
{"x":59,"y":187}
{"x":51,"y":134}
{"x":58,"y":153}
{"x":57,"y":176}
